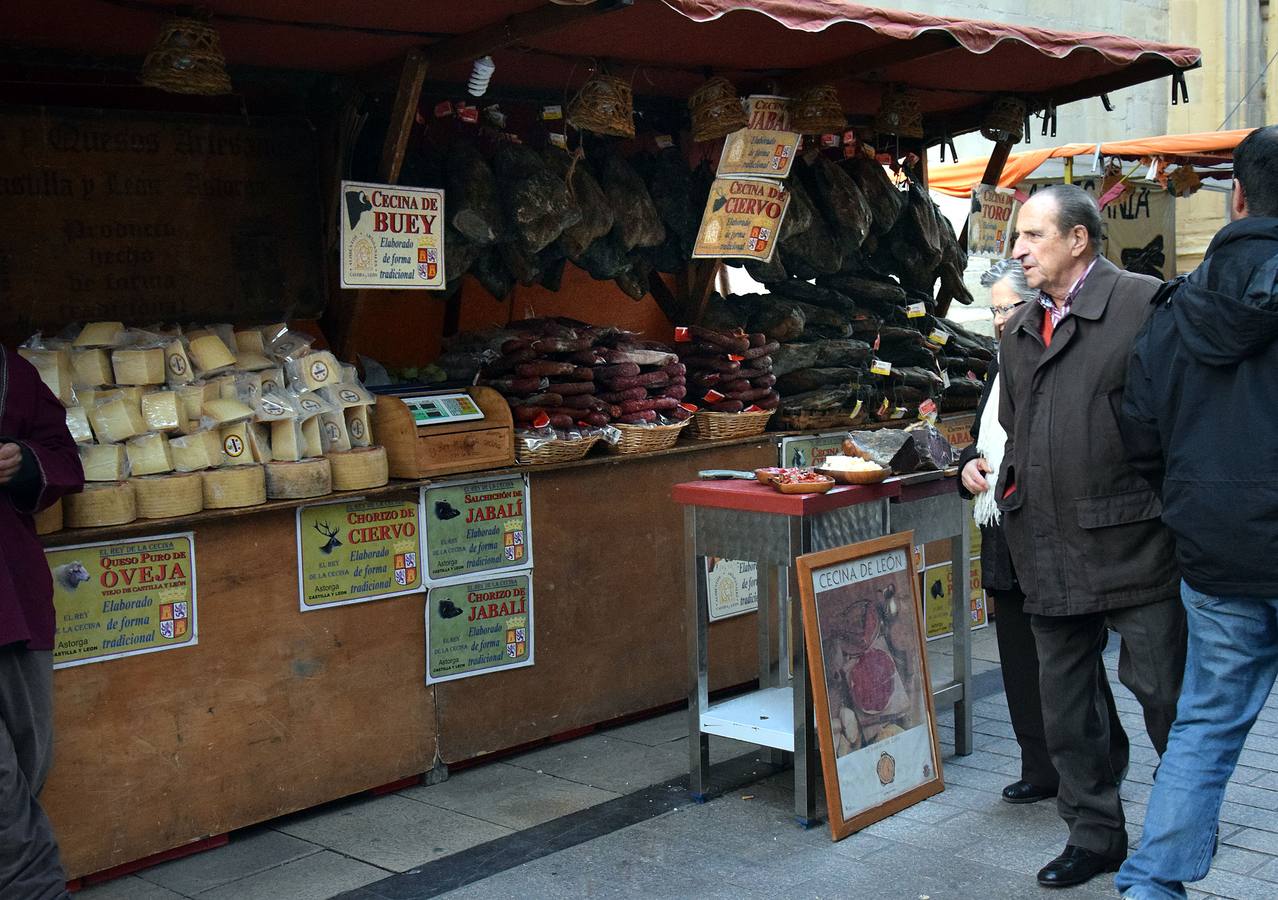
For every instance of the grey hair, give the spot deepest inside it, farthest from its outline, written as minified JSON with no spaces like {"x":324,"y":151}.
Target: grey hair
{"x":1074,"y":207}
{"x":1011,"y":271}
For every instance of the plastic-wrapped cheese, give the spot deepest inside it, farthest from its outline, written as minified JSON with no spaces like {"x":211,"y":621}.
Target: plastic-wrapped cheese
{"x":88,"y":397}
{"x":54,"y":368}
{"x":359,"y":426}
{"x":116,"y":418}
{"x":210,"y":353}
{"x":236,"y":444}
{"x":100,"y":334}
{"x":287,"y":443}
{"x":344,"y":395}
{"x":333,"y":435}
{"x":200,"y":450}
{"x":132,"y":393}
{"x":252,"y":362}
{"x":161,"y":411}
{"x":274,"y":405}
{"x":223,"y":411}
{"x":139,"y":366}
{"x":149,"y":454}
{"x":177,"y":363}
{"x":312,"y":403}
{"x":242,"y":386}
{"x":312,"y":437}
{"x":259,"y":436}
{"x":104,"y":462}
{"x":91,"y":368}
{"x":193,"y":397}
{"x":250,"y":341}
{"x":78,"y":425}
{"x":272,"y":379}
{"x":315,"y":370}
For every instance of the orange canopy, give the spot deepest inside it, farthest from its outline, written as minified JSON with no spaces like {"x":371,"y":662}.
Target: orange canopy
{"x":1211,"y":148}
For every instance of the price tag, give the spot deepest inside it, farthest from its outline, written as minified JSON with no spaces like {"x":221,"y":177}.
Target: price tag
{"x":552,"y":113}
{"x":469,"y":114}
{"x":916,"y":310}
{"x":938,"y":337}
{"x":690,"y":407}
{"x":664,"y":141}
{"x":878,"y":338}
{"x":541,"y":421}
{"x":732,"y":357}
{"x":681,"y":334}
{"x":881,"y":367}
{"x":899,"y":412}
{"x":559,"y":140}
{"x":713,"y":396}
{"x":856,"y":410}
{"x":443,"y":109}
{"x":945,"y":379}
{"x":972,"y":375}
{"x":753,"y":408}
{"x":883,"y":408}
{"x":830,"y":140}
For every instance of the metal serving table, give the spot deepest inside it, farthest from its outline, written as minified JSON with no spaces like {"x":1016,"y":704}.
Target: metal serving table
{"x":748,"y":521}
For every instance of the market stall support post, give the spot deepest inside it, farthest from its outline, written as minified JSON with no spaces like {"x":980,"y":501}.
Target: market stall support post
{"x":934,"y":511}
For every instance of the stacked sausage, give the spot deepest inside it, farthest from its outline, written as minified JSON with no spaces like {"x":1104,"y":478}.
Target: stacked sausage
{"x":643,"y":381}
{"x":728,"y":371}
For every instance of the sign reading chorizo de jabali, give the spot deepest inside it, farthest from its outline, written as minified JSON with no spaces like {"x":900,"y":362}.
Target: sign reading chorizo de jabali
{"x":742,"y":219}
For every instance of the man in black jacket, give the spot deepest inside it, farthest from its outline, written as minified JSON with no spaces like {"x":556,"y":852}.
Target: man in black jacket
{"x":1198,"y":423}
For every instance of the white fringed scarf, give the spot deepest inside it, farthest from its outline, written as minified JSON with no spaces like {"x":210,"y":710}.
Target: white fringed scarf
{"x":990,"y":443}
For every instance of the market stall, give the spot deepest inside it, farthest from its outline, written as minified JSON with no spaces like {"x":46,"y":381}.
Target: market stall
{"x":364,"y":541}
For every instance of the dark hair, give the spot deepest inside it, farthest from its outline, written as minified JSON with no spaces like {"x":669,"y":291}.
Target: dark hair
{"x":1074,"y":207}
{"x":1256,"y":168}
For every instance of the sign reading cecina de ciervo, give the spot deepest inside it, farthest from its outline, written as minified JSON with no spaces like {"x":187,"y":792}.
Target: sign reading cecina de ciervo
{"x":392,"y":237}
{"x":742,"y":219}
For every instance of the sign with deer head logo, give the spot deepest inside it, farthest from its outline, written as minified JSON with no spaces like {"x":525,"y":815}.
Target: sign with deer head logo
{"x":356,"y":551}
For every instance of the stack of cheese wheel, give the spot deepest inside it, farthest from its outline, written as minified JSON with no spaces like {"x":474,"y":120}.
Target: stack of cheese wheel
{"x":49,"y":519}
{"x":100,"y":503}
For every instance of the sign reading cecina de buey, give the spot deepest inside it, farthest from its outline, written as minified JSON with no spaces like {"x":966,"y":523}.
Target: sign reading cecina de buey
{"x":392,"y":237}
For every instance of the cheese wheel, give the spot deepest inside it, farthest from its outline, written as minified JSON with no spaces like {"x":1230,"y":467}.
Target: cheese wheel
{"x":223,"y":411}
{"x":139,"y":366}
{"x":359,"y":426}
{"x":90,"y":368}
{"x":196,"y":451}
{"x":287,"y":443}
{"x":49,"y":519}
{"x":333,"y":435}
{"x":210,"y":354}
{"x":317,"y":370}
{"x":149,"y":454}
{"x":363,"y":467}
{"x":116,"y":419}
{"x":100,"y":334}
{"x":54,"y":369}
{"x":237,"y":445}
{"x":231,"y":487}
{"x":165,"y":496}
{"x":312,"y":438}
{"x":161,"y":411}
{"x":78,"y":425}
{"x":251,"y":341}
{"x":177,"y":364}
{"x":113,"y":503}
{"x":297,"y":480}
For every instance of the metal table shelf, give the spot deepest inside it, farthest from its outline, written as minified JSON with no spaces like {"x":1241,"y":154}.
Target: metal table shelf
{"x":747,"y":521}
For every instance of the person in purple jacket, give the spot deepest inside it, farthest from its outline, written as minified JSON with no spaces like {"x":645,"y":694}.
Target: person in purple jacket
{"x":38,"y":464}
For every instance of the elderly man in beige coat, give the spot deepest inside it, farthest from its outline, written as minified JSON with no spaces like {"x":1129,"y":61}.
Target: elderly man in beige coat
{"x":1082,"y":526}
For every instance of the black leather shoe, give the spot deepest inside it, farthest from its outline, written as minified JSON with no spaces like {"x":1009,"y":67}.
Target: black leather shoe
{"x":1076,"y":866}
{"x":1024,"y":792}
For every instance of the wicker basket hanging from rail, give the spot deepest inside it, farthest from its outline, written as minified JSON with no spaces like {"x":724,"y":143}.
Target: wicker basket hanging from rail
{"x":1005,"y":121}
{"x":604,"y":105}
{"x":816,"y":110}
{"x":187,"y":59}
{"x":716,"y":110}
{"x":899,"y":114}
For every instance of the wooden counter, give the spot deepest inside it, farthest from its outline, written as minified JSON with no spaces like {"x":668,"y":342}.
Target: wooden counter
{"x":275,"y":710}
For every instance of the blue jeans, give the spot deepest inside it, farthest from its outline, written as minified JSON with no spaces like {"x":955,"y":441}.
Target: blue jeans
{"x":1229,"y":671}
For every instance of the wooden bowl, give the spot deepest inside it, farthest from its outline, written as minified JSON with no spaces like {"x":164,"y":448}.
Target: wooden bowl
{"x":852,"y":477}
{"x":804,"y":487}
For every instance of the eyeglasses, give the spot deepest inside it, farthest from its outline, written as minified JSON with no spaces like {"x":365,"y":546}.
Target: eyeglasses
{"x":997,"y":311}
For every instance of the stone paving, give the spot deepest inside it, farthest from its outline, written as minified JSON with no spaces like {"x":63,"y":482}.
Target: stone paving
{"x":963,"y":843}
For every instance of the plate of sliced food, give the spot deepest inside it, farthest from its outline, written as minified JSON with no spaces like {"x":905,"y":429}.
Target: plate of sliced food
{"x":801,"y":481}
{"x":852,"y":470}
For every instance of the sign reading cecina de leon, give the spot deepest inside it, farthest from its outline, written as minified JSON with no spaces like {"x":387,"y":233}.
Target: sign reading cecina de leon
{"x":356,"y":551}
{"x":392,"y":237}
{"x":477,"y":627}
{"x":115,"y":599}
{"x":476,"y":527}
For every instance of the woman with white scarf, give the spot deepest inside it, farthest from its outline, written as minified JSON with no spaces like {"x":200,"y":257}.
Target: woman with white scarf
{"x":1018,"y":657}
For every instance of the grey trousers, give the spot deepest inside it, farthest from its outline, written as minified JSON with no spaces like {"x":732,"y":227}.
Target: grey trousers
{"x":29,"y":864}
{"x":1151,"y":663}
